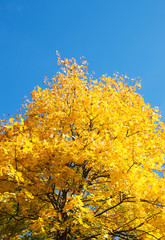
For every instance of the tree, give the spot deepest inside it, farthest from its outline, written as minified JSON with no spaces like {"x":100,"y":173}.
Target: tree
{"x":79,"y":163}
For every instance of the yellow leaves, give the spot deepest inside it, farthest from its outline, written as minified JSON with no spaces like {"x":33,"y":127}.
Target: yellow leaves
{"x":27,"y":145}
{"x":84,"y":147}
{"x":6,"y":197}
{"x":156,"y":109}
{"x":80,"y":220}
{"x":12,"y":170}
{"x":60,"y":216}
{"x":72,"y":66}
{"x":28,"y":194}
{"x":38,"y":225}
{"x":40,"y":221}
{"x":18,"y":177}
{"x":11,"y":120}
{"x":12,"y":173}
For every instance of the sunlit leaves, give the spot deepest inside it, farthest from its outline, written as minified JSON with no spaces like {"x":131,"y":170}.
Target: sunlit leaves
{"x":79,"y":164}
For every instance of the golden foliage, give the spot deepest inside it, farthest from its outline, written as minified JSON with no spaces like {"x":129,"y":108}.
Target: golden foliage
{"x":79,"y":164}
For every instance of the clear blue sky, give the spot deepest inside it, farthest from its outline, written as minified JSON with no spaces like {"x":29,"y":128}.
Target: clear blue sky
{"x":125,"y":36}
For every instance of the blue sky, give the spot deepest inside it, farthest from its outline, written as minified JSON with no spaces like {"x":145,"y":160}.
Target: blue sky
{"x":125,"y":36}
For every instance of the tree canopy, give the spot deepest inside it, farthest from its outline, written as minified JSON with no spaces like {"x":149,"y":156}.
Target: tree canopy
{"x":81,"y":162}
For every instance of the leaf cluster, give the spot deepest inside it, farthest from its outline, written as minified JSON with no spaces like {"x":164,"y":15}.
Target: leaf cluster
{"x":79,"y":164}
